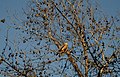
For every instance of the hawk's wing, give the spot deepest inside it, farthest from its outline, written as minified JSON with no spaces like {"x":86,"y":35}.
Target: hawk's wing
{"x":63,"y":48}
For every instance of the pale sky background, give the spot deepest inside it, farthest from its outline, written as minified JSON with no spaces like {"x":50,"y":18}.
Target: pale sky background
{"x":10,"y":7}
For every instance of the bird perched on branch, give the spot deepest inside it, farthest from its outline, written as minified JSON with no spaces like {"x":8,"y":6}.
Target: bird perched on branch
{"x":63,"y":48}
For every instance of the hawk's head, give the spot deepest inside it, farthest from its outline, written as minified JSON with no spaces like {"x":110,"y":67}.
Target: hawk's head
{"x":66,"y":44}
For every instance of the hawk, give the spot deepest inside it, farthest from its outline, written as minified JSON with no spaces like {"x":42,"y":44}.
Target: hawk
{"x":63,"y":48}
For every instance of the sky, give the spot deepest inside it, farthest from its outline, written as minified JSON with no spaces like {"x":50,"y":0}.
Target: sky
{"x":14,"y":7}
{"x":10,"y":7}
{"x":109,"y":6}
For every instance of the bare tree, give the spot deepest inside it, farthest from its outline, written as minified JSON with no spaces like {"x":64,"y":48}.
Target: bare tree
{"x":64,"y":38}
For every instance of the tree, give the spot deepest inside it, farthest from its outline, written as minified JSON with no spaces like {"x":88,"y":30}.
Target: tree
{"x":87,"y":39}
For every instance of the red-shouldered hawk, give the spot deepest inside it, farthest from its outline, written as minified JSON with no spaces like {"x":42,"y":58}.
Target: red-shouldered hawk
{"x":63,"y":48}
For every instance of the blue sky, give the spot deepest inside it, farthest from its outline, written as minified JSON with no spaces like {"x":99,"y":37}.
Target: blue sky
{"x":14,"y":7}
{"x":110,"y":6}
{"x":10,"y":7}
